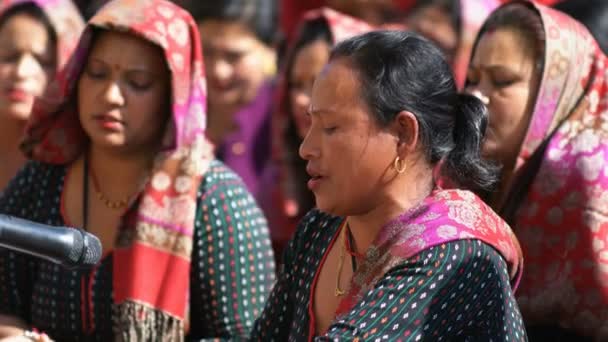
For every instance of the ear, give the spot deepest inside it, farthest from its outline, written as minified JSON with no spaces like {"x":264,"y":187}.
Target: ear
{"x":406,"y":128}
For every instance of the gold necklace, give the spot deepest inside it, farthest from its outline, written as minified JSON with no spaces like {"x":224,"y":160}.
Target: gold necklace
{"x":110,"y":204}
{"x":338,"y":291}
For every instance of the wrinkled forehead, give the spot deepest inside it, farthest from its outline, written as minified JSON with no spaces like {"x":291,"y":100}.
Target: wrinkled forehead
{"x":337,"y":85}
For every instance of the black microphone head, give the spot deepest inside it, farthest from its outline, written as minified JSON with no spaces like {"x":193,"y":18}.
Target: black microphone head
{"x":76,"y":244}
{"x":66,"y":246}
{"x":92,"y":250}
{"x":85,"y":249}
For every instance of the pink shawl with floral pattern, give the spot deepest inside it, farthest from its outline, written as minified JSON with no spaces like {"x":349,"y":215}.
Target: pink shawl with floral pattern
{"x":562,"y":222}
{"x":444,"y":216}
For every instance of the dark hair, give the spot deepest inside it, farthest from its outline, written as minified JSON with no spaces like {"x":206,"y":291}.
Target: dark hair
{"x":523,"y":18}
{"x":591,"y":13}
{"x":260,"y":16}
{"x":32,"y":10}
{"x":401,"y":70}
{"x":311,"y":31}
{"x":88,"y":8}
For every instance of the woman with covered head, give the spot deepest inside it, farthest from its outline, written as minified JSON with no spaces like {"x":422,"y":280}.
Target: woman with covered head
{"x":543,"y":78}
{"x":124,"y":156}
{"x":452,"y":25}
{"x":36,"y":39}
{"x":238,"y":39}
{"x":388,"y":254}
{"x":290,"y":199}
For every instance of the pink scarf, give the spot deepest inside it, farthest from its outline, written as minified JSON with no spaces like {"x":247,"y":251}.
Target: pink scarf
{"x":562,"y":221}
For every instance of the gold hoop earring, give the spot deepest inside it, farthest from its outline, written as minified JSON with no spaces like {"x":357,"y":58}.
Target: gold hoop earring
{"x":399,"y":165}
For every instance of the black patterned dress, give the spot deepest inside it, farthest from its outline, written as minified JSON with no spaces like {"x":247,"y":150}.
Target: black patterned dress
{"x":232,"y":268}
{"x":457,"y":291}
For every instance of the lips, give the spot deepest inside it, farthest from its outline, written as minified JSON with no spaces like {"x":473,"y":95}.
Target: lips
{"x":18,"y":95}
{"x":108,"y":121}
{"x":222,"y":86}
{"x":315,"y":178}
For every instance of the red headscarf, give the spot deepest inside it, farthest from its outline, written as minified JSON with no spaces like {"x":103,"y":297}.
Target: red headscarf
{"x":152,"y":260}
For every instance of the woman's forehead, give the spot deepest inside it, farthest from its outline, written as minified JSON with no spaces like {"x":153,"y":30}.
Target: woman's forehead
{"x":337,"y":89}
{"x":337,"y":78}
{"x":504,"y":46}
{"x":126,"y":49}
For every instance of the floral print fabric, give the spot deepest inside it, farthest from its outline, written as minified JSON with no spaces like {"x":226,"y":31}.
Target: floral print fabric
{"x":562,"y":223}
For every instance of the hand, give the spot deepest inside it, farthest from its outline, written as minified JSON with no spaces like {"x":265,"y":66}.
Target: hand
{"x":23,"y":338}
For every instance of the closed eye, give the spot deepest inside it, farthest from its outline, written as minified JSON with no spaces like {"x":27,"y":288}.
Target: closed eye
{"x":330,"y":130}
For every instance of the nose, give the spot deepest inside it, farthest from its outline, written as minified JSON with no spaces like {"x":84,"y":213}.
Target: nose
{"x":480,"y":95}
{"x":309,"y":148}
{"x":113,"y":94}
{"x":481,"y":90}
{"x":27,"y":66}
{"x":221,"y":71}
{"x":302,"y":99}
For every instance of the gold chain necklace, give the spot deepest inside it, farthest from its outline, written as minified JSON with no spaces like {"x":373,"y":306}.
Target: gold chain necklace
{"x":110,"y":204}
{"x":338,"y":291}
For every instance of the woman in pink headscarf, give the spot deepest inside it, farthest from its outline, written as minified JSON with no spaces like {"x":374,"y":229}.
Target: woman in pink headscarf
{"x":122,"y":154}
{"x":544,"y":80}
{"x":36,"y":39}
{"x":452,"y":25}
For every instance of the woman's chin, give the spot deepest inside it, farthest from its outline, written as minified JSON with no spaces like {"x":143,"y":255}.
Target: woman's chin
{"x":109,"y":142}
{"x":323,"y":205}
{"x":330,"y":207}
{"x":17,"y":111}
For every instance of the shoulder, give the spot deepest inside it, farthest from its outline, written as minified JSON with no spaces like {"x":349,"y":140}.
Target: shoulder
{"x":37,"y":175}
{"x":315,"y":230}
{"x":315,"y":220}
{"x":34,"y":192}
{"x":224,"y":201}
{"x":33,"y":170}
{"x":464,"y":261}
{"x":453,"y":199}
{"x":463,"y":215}
{"x":222,"y":188}
{"x":219,"y":175}
{"x":572,"y":176}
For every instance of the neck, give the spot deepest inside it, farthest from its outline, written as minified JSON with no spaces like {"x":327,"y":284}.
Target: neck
{"x":220,"y":122}
{"x":498,"y":198}
{"x":407,"y":192}
{"x":11,"y":158}
{"x":119,"y":175}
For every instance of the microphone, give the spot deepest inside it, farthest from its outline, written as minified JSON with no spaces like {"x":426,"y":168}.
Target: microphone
{"x":68,"y":247}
